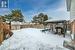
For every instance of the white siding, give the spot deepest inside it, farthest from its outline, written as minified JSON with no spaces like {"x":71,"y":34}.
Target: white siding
{"x":72,"y":10}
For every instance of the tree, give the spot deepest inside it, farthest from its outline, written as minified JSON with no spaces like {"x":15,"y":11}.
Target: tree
{"x":8,"y":17}
{"x":45,"y":17}
{"x":35,"y":19}
{"x":40,"y":18}
{"x":17,"y":15}
{"x":2,"y":18}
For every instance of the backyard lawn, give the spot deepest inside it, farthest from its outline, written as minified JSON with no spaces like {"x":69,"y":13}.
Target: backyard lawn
{"x":33,"y":39}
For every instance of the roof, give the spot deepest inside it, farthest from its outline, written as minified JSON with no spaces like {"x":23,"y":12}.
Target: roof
{"x":68,"y":2}
{"x":55,"y":21}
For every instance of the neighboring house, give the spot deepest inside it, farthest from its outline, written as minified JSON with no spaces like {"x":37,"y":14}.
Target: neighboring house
{"x":71,"y":9}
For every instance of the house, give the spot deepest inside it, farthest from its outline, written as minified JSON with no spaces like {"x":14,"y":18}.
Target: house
{"x":71,"y":9}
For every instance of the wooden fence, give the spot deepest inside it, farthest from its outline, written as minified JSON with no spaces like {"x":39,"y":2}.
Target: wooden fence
{"x":1,"y":36}
{"x":4,"y":30}
{"x":16,"y":27}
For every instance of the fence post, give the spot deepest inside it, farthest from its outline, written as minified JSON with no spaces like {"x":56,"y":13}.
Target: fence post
{"x":1,"y":36}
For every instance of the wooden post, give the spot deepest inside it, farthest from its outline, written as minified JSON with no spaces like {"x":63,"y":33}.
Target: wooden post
{"x":73,"y":30}
{"x":1,"y":36}
{"x":64,"y":28}
{"x":10,"y":25}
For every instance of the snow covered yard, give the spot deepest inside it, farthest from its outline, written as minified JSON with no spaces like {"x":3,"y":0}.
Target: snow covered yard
{"x":33,"y":39}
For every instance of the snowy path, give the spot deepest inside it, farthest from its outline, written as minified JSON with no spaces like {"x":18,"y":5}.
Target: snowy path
{"x":33,"y":39}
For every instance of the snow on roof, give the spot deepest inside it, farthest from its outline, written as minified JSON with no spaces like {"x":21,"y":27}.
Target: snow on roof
{"x":55,"y":20}
{"x":20,"y":23}
{"x":16,"y":23}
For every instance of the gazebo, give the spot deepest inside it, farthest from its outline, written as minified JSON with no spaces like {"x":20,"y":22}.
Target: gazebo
{"x":57,"y":26}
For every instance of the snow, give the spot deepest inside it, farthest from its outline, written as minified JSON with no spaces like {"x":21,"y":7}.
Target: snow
{"x":56,"y":20}
{"x":33,"y":39}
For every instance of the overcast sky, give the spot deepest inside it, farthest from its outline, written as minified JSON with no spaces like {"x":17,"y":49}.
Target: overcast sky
{"x":53,"y":8}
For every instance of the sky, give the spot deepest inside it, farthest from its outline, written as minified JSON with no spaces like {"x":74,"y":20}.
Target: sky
{"x":55,"y":9}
